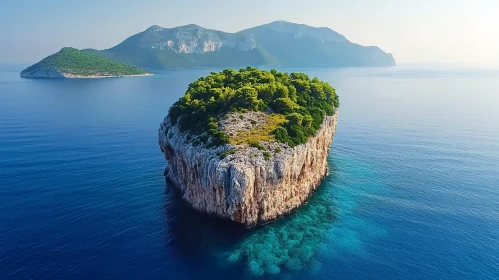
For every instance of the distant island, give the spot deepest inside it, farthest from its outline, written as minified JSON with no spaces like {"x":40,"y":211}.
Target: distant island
{"x":277,"y":44}
{"x":249,"y":145}
{"x":73,"y":63}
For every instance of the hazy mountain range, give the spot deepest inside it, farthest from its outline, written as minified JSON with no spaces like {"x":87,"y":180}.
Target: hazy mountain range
{"x":278,"y":43}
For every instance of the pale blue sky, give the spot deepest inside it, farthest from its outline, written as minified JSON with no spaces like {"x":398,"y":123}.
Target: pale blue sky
{"x":423,"y":31}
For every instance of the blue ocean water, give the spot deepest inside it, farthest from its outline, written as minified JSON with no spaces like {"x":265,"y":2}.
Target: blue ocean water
{"x":413,"y":190}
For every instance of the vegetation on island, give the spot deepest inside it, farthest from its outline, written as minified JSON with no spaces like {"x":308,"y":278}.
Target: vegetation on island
{"x":260,"y":132}
{"x":80,"y":63}
{"x":297,"y":104}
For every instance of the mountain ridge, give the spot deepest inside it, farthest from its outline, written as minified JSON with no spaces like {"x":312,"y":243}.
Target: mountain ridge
{"x":278,"y":43}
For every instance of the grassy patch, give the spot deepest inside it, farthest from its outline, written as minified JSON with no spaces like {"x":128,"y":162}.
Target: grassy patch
{"x":226,"y":154}
{"x":256,"y":144}
{"x":261,"y":132}
{"x":266,"y":155}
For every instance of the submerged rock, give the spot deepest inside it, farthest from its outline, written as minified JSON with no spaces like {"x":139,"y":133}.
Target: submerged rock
{"x":249,"y":185}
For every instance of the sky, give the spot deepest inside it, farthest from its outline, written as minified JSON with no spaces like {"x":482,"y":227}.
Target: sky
{"x":422,"y":31}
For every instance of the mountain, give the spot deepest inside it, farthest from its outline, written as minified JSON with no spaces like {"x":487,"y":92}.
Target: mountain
{"x":186,"y":46}
{"x":278,"y":43}
{"x":301,"y":45}
{"x":73,"y":63}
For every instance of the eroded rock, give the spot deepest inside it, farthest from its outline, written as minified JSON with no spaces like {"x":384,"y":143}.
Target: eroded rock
{"x":247,"y":186}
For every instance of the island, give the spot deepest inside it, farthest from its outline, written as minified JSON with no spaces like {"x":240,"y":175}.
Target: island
{"x":74,"y":63}
{"x":249,"y":145}
{"x":276,"y":44}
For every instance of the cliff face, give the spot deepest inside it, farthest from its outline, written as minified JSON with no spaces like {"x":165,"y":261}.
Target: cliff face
{"x":245,"y":186}
{"x":190,"y":39}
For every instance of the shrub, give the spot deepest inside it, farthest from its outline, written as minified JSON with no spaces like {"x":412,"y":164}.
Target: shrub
{"x":266,"y":155}
{"x":307,"y":121}
{"x":297,"y":133}
{"x":284,"y":105}
{"x":281,"y":135}
{"x":226,"y":154}
{"x":294,"y":118}
{"x":257,"y":145}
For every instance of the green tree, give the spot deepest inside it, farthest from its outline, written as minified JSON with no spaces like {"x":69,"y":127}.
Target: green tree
{"x":294,"y":118}
{"x":304,"y":103}
{"x":284,"y":105}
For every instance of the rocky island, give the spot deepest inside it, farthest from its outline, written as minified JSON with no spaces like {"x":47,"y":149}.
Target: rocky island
{"x":73,"y":63}
{"x":249,"y":145}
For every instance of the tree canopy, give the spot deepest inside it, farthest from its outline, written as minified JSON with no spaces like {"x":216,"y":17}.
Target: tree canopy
{"x":303,"y":101}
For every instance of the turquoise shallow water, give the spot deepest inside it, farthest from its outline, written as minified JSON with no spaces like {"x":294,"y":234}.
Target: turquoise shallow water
{"x":412,"y":192}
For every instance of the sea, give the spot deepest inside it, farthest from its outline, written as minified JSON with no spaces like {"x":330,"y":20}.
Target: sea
{"x":412,"y":192}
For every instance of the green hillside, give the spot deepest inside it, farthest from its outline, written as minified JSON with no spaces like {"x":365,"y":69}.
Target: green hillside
{"x":80,"y":63}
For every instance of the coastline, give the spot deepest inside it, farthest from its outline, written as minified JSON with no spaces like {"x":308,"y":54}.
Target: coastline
{"x":59,"y":75}
{"x":70,"y":76}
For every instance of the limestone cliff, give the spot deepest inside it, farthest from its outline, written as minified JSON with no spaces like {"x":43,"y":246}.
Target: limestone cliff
{"x":191,"y":39}
{"x":248,"y":186}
